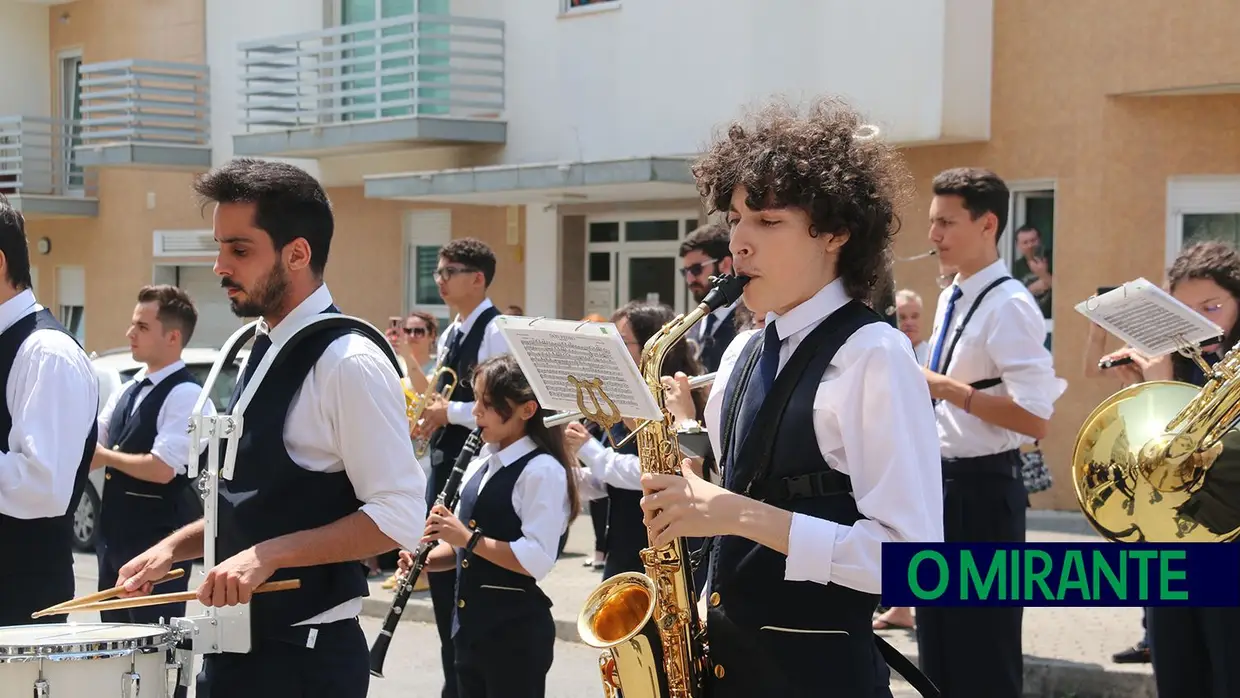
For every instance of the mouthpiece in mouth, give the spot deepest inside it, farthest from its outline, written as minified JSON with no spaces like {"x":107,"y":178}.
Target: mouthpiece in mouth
{"x":726,"y":290}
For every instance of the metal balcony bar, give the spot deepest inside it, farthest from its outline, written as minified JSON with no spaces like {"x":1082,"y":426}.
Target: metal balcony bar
{"x":144,"y":102}
{"x":37,"y":158}
{"x":417,"y":65}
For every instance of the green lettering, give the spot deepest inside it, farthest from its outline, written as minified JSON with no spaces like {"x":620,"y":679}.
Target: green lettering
{"x":944,"y":576}
{"x":1143,"y":578}
{"x":1166,"y":575}
{"x":1072,"y":576}
{"x":969,"y":578}
{"x":1014,"y":580}
{"x":1102,"y":565}
{"x":1038,"y":577}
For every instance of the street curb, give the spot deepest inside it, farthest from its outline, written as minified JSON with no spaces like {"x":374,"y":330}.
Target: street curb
{"x":1044,"y":678}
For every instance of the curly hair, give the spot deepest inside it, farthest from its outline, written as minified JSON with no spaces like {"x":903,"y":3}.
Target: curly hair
{"x":473,"y":253}
{"x":829,"y":163}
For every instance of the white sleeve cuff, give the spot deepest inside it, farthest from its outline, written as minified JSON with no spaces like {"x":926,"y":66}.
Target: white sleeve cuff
{"x":461,"y":413}
{"x":532,"y":557}
{"x":811,"y":546}
{"x":591,"y":453}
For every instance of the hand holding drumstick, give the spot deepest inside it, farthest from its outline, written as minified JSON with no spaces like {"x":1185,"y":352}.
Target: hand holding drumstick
{"x":229,"y":583}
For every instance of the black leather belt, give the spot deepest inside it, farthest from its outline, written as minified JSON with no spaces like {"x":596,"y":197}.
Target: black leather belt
{"x":1005,"y":463}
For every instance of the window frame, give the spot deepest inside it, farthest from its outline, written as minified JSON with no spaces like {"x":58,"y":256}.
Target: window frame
{"x":416,"y":238}
{"x":1196,"y":195}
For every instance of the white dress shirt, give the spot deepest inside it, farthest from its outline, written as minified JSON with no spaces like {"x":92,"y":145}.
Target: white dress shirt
{"x":922,"y":352}
{"x":873,"y":422}
{"x":52,"y":392}
{"x":171,"y":438}
{"x":539,"y":496}
{"x":493,"y":344}
{"x":623,"y":470}
{"x":1004,"y":339}
{"x":350,"y":415}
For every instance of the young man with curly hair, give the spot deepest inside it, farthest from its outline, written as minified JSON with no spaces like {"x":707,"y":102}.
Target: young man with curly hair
{"x":994,"y":389}
{"x":802,"y":414}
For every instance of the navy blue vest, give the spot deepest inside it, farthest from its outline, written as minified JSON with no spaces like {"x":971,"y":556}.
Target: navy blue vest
{"x":447,"y":442}
{"x":487,"y":595}
{"x":270,"y":495}
{"x":756,"y":620}
{"x":45,"y":546}
{"x":134,"y":510}
{"x":626,"y":531}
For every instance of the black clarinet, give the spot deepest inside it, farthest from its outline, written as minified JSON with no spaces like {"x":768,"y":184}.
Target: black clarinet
{"x":448,"y":498}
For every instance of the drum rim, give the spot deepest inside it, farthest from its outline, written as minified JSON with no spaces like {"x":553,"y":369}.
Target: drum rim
{"x":157,"y":639}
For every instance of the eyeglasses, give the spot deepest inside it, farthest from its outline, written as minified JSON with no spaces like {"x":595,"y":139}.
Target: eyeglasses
{"x":449,"y":272}
{"x":696,"y":269}
{"x":416,"y":331}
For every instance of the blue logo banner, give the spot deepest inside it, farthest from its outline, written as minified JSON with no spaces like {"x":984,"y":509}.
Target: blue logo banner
{"x":1061,"y":574}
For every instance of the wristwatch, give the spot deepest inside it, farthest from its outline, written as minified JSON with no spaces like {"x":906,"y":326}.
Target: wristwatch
{"x":688,"y":426}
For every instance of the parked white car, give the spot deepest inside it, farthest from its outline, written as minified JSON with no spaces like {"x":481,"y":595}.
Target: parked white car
{"x":113,"y":368}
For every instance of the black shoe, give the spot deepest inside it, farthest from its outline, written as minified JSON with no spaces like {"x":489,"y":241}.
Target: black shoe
{"x":1137,"y":654}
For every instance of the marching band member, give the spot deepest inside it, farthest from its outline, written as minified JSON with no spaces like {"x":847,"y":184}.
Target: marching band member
{"x":143,"y":446}
{"x":619,"y":470}
{"x":47,"y":418}
{"x":465,"y":272}
{"x":809,"y":499}
{"x":518,"y":498}
{"x":994,"y":389}
{"x":1194,"y":650}
{"x":325,"y":473}
{"x":704,"y":254}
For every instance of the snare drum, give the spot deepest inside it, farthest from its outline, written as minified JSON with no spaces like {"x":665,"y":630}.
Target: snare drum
{"x":81,"y":660}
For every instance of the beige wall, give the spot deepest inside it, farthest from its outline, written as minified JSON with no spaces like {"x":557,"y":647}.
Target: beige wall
{"x":1054,"y":66}
{"x":116,"y":246}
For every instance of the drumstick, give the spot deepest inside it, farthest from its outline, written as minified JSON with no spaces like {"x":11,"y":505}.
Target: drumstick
{"x":71,"y":604}
{"x":157,"y":599}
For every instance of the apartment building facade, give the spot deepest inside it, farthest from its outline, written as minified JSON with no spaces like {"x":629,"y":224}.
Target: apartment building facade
{"x":561,"y":131}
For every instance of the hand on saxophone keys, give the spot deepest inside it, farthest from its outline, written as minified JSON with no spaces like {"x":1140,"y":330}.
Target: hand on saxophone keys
{"x":686,"y":506}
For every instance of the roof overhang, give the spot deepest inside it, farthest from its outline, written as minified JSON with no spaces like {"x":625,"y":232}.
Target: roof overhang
{"x":628,"y":179}
{"x":33,"y":206}
{"x":162,"y":156}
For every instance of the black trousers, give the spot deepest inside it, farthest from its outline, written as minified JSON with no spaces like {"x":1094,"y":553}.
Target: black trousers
{"x":598,"y":517}
{"x":32,"y":589}
{"x":971,"y":652}
{"x":338,"y":666}
{"x":1195,"y":651}
{"x":510,"y":661}
{"x":443,"y":599}
{"x":111,"y":558}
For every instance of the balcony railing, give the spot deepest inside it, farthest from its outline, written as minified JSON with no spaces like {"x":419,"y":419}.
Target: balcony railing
{"x":145,"y":103}
{"x":418,"y":65}
{"x":37,"y":158}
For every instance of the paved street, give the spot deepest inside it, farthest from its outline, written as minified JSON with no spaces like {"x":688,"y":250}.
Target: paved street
{"x":1067,"y":649}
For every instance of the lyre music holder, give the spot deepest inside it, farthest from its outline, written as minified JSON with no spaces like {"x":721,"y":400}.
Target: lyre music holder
{"x":606,"y":417}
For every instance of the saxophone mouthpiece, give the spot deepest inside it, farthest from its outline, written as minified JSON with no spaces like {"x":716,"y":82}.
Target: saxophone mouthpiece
{"x":725,"y":290}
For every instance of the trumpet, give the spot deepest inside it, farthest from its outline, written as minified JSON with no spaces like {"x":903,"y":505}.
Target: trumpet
{"x":559,"y":418}
{"x":415,"y":404}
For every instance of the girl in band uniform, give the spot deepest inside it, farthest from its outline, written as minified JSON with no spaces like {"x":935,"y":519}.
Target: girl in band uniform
{"x":517,"y":499}
{"x":1193,"y":650}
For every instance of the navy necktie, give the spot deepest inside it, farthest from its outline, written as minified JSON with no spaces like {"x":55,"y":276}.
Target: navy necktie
{"x":942,"y":338}
{"x":756,"y":389}
{"x":469,"y":498}
{"x":261,"y":344}
{"x":131,"y":400}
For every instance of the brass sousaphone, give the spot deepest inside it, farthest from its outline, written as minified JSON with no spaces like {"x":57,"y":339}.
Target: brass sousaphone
{"x":1159,"y":462}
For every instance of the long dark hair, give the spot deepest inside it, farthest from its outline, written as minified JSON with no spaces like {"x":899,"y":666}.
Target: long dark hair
{"x":646,"y":319}
{"x":506,"y":389}
{"x":1211,"y":261}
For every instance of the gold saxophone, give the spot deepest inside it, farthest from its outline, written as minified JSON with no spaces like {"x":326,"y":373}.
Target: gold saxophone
{"x":647,"y":624}
{"x":415,"y":404}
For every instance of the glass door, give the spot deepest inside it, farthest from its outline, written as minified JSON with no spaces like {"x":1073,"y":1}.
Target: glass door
{"x":391,"y":71}
{"x":652,"y":276}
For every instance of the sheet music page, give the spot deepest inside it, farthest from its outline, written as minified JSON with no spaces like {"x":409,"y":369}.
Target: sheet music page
{"x":1148,"y":318}
{"x":549,"y":351}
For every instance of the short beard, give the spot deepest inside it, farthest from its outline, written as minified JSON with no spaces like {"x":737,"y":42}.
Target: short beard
{"x":266,"y":298}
